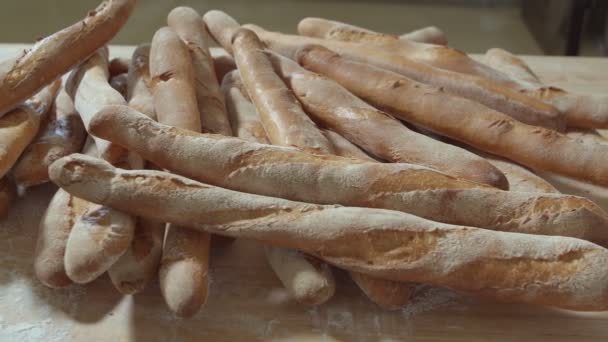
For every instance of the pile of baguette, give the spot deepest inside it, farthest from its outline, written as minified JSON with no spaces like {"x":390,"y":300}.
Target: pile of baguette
{"x":396,"y":158}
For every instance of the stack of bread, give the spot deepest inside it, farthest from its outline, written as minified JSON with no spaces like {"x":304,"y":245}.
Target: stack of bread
{"x":396,"y":158}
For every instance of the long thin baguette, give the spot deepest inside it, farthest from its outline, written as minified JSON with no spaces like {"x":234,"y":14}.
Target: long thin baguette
{"x":284,"y":120}
{"x":557,"y":271}
{"x":293,"y":174}
{"x":184,"y":266}
{"x":486,"y":91}
{"x":308,"y":281}
{"x":221,"y":27}
{"x":8,"y":194}
{"x":139,"y":264}
{"x":19,"y":127}
{"x":583,"y":111}
{"x":53,"y":233}
{"x":189,"y":26}
{"x":139,"y":94}
{"x":62,"y":133}
{"x":377,"y":132}
{"x":58,"y":53}
{"x":89,"y":88}
{"x":520,"y":178}
{"x":98,"y":235}
{"x":462,"y":119}
{"x":243,"y":115}
{"x":173,"y":84}
{"x":429,"y":34}
{"x":436,"y":55}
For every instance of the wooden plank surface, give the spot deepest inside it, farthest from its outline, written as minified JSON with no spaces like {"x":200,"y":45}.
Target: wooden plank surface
{"x":246,"y":300}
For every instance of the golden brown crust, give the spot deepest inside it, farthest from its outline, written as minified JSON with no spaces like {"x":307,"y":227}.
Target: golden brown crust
{"x":189,"y":26}
{"x":491,"y":131}
{"x":283,"y":118}
{"x":489,"y":92}
{"x":377,"y":132}
{"x":8,"y":194}
{"x":293,"y":174}
{"x":89,"y":88}
{"x":173,"y":84}
{"x":62,"y":133}
{"x":57,"y":54}
{"x":19,"y":127}
{"x":386,"y":244}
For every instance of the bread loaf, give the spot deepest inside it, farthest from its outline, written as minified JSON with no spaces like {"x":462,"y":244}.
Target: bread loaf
{"x":344,"y":148}
{"x":8,"y":194}
{"x":19,"y":127}
{"x":289,"y":173}
{"x":584,"y":111}
{"x":221,"y":27}
{"x":89,"y":88}
{"x":488,"y":92}
{"x":56,"y":54}
{"x":283,"y":118}
{"x":189,"y":26}
{"x":429,"y":34}
{"x":61,"y":134}
{"x":378,"y":133}
{"x":184,"y":265}
{"x":462,"y":119}
{"x":387,"y":244}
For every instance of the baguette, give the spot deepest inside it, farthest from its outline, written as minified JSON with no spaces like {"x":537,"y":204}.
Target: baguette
{"x":97,"y":236}
{"x":558,"y":271}
{"x":221,"y":27}
{"x":597,"y":194}
{"x":139,"y":264}
{"x":243,"y":116}
{"x":139,"y":95}
{"x":451,"y":116}
{"x":173,"y":81}
{"x":293,"y":174}
{"x":189,"y":26}
{"x":308,"y":281}
{"x":19,"y":127}
{"x":436,"y":55}
{"x":485,"y":91}
{"x":88,"y":86}
{"x":429,"y":34}
{"x":583,"y":111}
{"x":55,"y":55}
{"x":8,"y":194}
{"x":119,"y":65}
{"x":62,"y":133}
{"x":120,"y":84}
{"x":53,"y":233}
{"x":283,"y":118}
{"x":184,"y":266}
{"x":378,"y":133}
{"x":520,"y":178}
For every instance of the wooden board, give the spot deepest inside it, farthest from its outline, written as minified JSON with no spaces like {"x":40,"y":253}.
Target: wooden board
{"x":246,"y":300}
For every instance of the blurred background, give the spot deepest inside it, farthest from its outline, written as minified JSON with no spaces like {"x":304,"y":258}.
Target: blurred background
{"x":555,"y":27}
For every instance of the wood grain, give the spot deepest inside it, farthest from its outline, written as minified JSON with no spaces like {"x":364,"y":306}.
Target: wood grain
{"x":247,"y":301}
